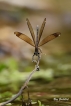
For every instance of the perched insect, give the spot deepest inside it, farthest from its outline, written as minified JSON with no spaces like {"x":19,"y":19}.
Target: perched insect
{"x":36,"y":39}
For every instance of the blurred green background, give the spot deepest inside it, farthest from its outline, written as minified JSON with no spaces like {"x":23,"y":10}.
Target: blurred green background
{"x":16,"y":55}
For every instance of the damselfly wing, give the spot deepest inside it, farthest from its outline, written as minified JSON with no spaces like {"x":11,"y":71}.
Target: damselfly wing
{"x":36,"y":39}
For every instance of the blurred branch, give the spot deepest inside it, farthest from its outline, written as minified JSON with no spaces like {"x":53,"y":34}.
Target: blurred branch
{"x":24,"y":85}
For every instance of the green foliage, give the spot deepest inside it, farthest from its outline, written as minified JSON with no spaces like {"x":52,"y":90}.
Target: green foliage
{"x":12,"y":64}
{"x":6,"y":94}
{"x":3,"y":66}
{"x":40,"y":104}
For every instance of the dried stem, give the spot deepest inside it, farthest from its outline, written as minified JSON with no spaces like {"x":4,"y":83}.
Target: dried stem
{"x":23,"y":87}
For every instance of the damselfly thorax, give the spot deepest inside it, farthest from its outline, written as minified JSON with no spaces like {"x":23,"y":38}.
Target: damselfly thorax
{"x":36,"y":39}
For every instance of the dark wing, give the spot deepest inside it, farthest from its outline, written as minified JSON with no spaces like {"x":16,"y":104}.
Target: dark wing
{"x":24,"y":37}
{"x":41,"y":29}
{"x":49,"y":38}
{"x":31,"y":30}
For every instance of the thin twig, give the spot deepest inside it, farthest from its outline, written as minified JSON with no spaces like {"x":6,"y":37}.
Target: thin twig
{"x":23,"y":87}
